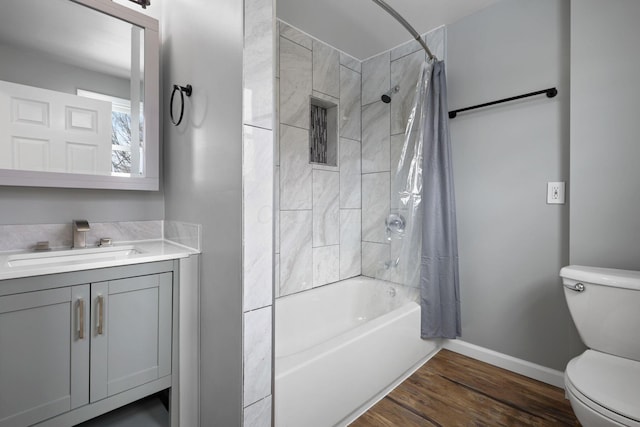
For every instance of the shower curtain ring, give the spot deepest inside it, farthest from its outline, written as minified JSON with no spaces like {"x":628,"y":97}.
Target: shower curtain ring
{"x":184,"y":90}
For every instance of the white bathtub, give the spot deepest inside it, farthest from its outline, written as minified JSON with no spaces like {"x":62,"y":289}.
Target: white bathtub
{"x":341,"y":346}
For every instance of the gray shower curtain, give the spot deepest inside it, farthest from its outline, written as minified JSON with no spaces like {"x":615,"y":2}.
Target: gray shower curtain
{"x":439,"y":277}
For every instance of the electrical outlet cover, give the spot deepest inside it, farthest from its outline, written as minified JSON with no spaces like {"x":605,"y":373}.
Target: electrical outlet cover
{"x":555,"y":193}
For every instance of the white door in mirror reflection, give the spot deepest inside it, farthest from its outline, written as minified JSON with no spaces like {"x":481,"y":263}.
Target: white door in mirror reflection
{"x":44,"y":130}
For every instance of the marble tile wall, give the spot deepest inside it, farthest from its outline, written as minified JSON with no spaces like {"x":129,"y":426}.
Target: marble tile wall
{"x":295,"y":83}
{"x":257,"y":355}
{"x":258,"y":414}
{"x":258,"y":159}
{"x":383,"y":127}
{"x":295,"y":169}
{"x":326,"y":208}
{"x":296,"y":251}
{"x":257,"y":102}
{"x":318,"y":207}
{"x":257,"y":166}
{"x":326,"y":69}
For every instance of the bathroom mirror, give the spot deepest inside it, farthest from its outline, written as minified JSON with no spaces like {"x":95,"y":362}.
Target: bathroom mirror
{"x":78,"y":95}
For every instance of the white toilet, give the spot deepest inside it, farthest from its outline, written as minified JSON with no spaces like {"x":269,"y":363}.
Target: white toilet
{"x":603,"y":383}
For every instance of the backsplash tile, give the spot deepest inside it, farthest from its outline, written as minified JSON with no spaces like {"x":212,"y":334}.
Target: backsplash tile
{"x":25,"y":237}
{"x":125,"y":231}
{"x":59,"y":236}
{"x":184,"y":234}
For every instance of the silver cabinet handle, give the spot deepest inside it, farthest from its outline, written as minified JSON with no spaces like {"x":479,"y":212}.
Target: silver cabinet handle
{"x":100,"y":325}
{"x":578,"y":287}
{"x":80,"y":318}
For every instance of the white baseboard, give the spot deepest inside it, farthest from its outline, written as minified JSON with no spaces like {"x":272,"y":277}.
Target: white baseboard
{"x":519,"y":366}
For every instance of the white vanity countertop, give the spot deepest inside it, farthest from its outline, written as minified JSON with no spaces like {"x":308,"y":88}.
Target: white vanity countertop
{"x":13,"y":265}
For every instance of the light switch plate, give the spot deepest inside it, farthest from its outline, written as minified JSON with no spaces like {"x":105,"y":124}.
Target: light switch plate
{"x":555,"y":193}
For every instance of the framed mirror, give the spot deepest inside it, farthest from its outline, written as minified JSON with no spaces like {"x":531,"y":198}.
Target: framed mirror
{"x":79,"y":94}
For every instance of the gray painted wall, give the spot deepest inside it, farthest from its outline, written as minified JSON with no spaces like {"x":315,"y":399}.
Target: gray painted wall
{"x":26,"y":205}
{"x":511,"y":243}
{"x":202,"y":46}
{"x":605,"y":101}
{"x":33,"y":69}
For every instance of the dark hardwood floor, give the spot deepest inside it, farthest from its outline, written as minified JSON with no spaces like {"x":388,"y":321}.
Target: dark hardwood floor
{"x":455,"y":390}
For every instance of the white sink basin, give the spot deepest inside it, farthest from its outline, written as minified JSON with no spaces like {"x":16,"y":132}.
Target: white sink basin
{"x":72,"y":256}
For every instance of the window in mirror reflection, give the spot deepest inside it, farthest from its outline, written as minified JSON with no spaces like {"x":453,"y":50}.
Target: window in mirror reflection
{"x":121,"y":132}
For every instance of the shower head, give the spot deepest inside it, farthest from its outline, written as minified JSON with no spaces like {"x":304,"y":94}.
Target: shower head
{"x":386,"y":97}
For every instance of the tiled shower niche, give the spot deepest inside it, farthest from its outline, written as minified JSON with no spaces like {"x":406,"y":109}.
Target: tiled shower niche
{"x":323,"y":132}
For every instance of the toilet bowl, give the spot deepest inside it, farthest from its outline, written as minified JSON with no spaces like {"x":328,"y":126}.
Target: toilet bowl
{"x":603,"y":383}
{"x":604,"y":390}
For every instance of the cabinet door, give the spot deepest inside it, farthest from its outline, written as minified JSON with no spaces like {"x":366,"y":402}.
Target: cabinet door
{"x":131,"y":333}
{"x":44,"y":354}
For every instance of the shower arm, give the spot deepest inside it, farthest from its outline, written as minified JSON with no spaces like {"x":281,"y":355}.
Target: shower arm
{"x":406,"y":25}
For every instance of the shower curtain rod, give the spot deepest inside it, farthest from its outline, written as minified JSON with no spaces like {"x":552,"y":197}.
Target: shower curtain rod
{"x":406,"y":25}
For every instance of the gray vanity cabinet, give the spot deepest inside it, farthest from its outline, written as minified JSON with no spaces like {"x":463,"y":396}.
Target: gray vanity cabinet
{"x":69,"y":353}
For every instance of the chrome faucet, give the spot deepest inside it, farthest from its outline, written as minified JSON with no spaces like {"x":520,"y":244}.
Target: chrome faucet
{"x":80,"y":228}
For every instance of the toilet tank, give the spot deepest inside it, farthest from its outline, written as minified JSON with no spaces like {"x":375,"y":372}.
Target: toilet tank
{"x":607,"y":311}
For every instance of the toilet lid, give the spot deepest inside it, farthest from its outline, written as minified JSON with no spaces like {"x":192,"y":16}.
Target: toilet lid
{"x":610,"y":381}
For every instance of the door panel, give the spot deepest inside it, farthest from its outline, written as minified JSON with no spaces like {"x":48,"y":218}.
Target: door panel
{"x":39,"y":350}
{"x":45,"y":130}
{"x":133,"y":339}
{"x":135,"y":346}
